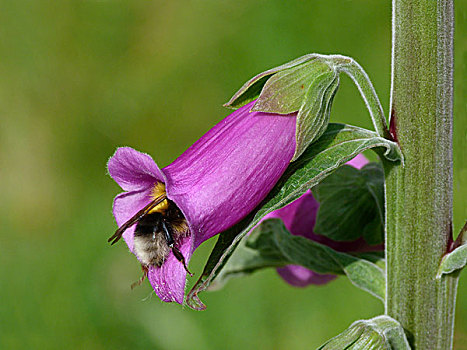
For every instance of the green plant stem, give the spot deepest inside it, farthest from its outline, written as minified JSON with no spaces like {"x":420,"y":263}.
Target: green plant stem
{"x":419,"y":194}
{"x":364,"y":85}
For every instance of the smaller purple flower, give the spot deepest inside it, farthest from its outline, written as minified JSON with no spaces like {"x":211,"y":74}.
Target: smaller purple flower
{"x":299,"y":218}
{"x":213,"y":185}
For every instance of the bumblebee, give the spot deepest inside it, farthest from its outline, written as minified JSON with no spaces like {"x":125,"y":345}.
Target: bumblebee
{"x":159,"y":227}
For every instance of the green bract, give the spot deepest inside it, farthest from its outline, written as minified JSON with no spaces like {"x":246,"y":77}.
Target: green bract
{"x":457,"y":259}
{"x":307,"y":85}
{"x":379,"y":333}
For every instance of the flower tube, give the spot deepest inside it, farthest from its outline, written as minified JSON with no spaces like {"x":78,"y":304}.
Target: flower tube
{"x":213,"y":185}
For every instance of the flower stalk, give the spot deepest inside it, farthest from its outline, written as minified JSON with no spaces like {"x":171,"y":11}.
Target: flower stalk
{"x":364,"y":85}
{"x":419,"y":194}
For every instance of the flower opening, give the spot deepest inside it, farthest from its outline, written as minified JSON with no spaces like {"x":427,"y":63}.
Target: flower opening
{"x":213,"y":185}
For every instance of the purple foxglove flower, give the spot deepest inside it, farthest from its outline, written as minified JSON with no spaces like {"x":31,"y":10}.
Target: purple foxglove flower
{"x":299,"y":218}
{"x":214,"y":183}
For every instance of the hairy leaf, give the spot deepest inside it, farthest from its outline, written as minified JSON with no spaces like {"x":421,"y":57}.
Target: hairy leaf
{"x":271,"y":245}
{"x":457,"y":259}
{"x":379,"y":333}
{"x":352,"y":204}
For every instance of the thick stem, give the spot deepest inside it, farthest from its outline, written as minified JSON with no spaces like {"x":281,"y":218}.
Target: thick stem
{"x":419,"y":194}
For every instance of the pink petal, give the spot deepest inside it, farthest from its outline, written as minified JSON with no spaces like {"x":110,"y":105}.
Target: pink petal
{"x":299,"y":276}
{"x":358,"y":162}
{"x":225,"y":174}
{"x":168,"y":281}
{"x":133,"y":170}
{"x":126,"y":205}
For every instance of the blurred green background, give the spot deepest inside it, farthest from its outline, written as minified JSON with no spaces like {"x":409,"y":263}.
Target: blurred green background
{"x":80,"y":78}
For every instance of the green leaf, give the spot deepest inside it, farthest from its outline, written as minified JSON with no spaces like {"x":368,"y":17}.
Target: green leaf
{"x":337,"y":145}
{"x":457,"y":259}
{"x":271,"y":245}
{"x":379,"y":333}
{"x":352,"y":204}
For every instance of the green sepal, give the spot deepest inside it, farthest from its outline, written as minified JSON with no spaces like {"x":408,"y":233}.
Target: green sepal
{"x":352,"y":204}
{"x":271,"y":245}
{"x":252,"y":88}
{"x":378,"y":333}
{"x":309,"y":89}
{"x":313,"y":116}
{"x":307,"y":85}
{"x":336,"y":146}
{"x":285,"y":91}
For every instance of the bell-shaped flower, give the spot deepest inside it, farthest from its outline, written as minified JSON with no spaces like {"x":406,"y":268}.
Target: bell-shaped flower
{"x":299,"y":218}
{"x":215,"y":183}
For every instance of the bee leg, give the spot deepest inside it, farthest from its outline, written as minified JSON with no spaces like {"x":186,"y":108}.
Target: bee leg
{"x":145,"y":274}
{"x":167,"y":234}
{"x":171,"y":243}
{"x":178,"y":254}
